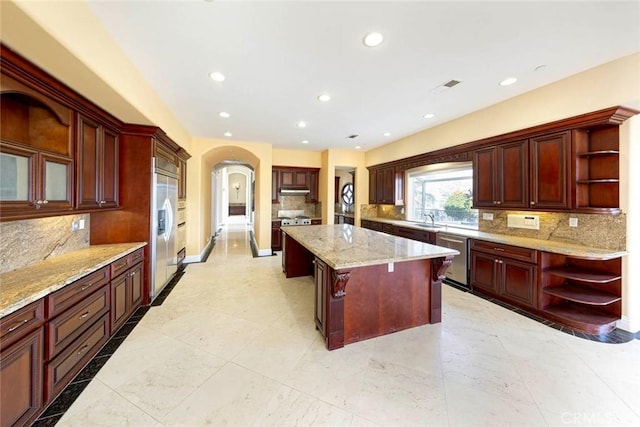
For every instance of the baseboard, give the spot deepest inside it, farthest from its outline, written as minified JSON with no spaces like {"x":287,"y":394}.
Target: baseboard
{"x":204,"y":255}
{"x":629,"y":325}
{"x":257,"y":252}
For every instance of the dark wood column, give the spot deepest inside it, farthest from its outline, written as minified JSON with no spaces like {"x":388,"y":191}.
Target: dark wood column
{"x":438,"y":268}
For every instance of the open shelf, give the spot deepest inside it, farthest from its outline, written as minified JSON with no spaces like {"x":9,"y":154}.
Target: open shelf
{"x":582,"y":275}
{"x":583,"y":318}
{"x":582,"y":295}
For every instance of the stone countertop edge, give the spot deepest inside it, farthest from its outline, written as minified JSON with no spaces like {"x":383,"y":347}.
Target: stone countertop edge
{"x":361,"y":247}
{"x":21,"y":287}
{"x":561,"y":248}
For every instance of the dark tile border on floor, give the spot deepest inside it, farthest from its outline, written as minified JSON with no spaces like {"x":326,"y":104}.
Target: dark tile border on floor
{"x":617,"y":336}
{"x":63,"y":402}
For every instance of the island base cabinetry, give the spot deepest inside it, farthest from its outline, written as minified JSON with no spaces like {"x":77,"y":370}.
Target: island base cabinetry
{"x":583,"y":294}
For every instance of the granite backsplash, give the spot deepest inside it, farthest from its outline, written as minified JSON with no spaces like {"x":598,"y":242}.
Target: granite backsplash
{"x":28,"y":241}
{"x":594,"y":230}
{"x":312,"y":210}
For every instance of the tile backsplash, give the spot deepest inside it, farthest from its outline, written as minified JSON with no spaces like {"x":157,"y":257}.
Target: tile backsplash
{"x":28,"y":241}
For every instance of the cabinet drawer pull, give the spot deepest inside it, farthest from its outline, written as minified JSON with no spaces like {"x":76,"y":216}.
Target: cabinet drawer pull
{"x":86,"y":287}
{"x":498,"y":249}
{"x":83,"y":349}
{"x":17,"y":325}
{"x":533,"y":203}
{"x":133,"y":273}
{"x":85,"y":314}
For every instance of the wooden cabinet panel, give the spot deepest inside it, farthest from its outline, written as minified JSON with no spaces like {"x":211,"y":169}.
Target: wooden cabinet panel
{"x":321,"y":276}
{"x":483,"y":272}
{"x":71,"y":294}
{"x":484,"y":178}
{"x":182,"y":179}
{"x":312,"y":197}
{"x":97,"y":165}
{"x":513,"y":175}
{"x":65,"y":328}
{"x":21,"y":376}
{"x":21,"y":322}
{"x":371,"y":225}
{"x":518,"y":283}
{"x":383,"y":185}
{"x":550,"y":160}
{"x":373,"y":191}
{"x":275,"y":185}
{"x":60,"y":370}
{"x":126,"y":294}
{"x":276,"y":236}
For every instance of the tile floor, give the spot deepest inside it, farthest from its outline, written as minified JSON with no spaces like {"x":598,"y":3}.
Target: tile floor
{"x":234,"y":344}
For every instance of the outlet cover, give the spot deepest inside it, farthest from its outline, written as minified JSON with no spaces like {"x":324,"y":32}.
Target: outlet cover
{"x":81,"y":224}
{"x":487,"y":216}
{"x":573,"y":222}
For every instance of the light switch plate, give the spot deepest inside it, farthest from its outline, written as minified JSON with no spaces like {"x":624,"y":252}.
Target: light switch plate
{"x":390,"y":267}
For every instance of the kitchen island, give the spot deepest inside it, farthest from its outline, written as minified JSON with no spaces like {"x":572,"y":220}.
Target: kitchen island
{"x":367,"y":283}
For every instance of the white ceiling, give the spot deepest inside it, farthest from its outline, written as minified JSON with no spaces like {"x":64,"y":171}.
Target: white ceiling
{"x":279,"y":56}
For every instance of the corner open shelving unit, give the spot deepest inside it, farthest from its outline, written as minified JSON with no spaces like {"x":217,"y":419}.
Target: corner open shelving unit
{"x":584,"y":294}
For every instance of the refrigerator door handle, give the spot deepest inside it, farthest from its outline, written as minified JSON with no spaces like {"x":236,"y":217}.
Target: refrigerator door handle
{"x":168,"y":220}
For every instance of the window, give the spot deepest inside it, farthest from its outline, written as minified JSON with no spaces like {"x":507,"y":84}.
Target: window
{"x":443,"y":191}
{"x":347,"y":194}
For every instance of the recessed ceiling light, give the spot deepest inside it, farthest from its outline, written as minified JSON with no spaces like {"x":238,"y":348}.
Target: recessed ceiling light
{"x":227,"y":133}
{"x":324,"y":97}
{"x":387,"y":134}
{"x":305,"y":142}
{"x":301,"y":124}
{"x":357,"y":147}
{"x":373,"y":39}
{"x":509,"y":81}
{"x":429,"y":116}
{"x":224,"y":114}
{"x":217,"y":76}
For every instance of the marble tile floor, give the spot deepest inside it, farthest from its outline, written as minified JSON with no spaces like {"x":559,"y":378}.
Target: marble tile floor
{"x":234,"y":344}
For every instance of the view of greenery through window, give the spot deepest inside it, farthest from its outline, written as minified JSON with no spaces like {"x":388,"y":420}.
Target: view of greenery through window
{"x":446,"y":194}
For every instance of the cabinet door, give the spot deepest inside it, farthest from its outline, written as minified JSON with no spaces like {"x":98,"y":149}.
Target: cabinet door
{"x":87,"y":160}
{"x":550,"y":162}
{"x":276,"y":236}
{"x":275,"y":185}
{"x":21,"y":376}
{"x":312,"y":197}
{"x":182,"y":179}
{"x":18,"y":167}
{"x":321,"y":273}
{"x":119,"y":301}
{"x":286,"y":178}
{"x":484,"y":272}
{"x":373,"y":191}
{"x":518,"y":281}
{"x":135,"y":279}
{"x":388,"y":185}
{"x":56,"y":182}
{"x":513,"y":175}
{"x":484,"y":178}
{"x":109,"y":168}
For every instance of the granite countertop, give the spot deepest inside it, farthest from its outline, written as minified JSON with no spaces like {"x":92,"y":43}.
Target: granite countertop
{"x":551,"y":246}
{"x":345,"y":246}
{"x":25,"y":285}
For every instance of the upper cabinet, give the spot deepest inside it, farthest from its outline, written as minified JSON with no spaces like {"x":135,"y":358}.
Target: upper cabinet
{"x":97,"y":164}
{"x":385,"y":186}
{"x":36,"y":152}
{"x":301,"y":181}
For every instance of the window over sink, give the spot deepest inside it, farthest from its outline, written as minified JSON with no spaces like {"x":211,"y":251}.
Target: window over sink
{"x":442,"y":192}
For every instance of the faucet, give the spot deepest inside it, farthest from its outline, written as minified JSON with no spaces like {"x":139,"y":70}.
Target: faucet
{"x":430,"y":216}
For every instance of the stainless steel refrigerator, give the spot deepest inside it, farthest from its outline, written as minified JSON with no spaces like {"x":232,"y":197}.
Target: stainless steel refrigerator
{"x":164,"y":257}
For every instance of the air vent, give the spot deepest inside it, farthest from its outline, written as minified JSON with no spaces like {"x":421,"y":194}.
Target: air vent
{"x":445,"y":86}
{"x":352,"y":136}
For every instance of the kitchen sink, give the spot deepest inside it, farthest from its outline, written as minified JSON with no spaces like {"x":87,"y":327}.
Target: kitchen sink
{"x":421,"y":224}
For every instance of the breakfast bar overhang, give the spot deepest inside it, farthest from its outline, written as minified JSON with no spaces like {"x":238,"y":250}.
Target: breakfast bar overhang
{"x":367,"y":283}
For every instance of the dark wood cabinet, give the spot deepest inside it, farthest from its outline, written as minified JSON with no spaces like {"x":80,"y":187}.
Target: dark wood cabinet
{"x":321,"y":277}
{"x":371,"y":225}
{"x":294,"y":178}
{"x":312,"y":197}
{"x":21,"y":376}
{"x":126,"y":291}
{"x":275,"y":185}
{"x":500,"y":176}
{"x":550,"y":169}
{"x":424,"y":236}
{"x":276,"y":236}
{"x":386,"y":186}
{"x":97,"y":165}
{"x":507,"y":272}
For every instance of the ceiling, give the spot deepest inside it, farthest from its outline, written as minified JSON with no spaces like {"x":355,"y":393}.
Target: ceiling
{"x":278,"y":57}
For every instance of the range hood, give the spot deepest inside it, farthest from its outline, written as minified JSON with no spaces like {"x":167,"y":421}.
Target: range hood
{"x":293,"y":190}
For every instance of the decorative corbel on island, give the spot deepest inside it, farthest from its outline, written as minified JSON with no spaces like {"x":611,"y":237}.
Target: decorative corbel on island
{"x":367,"y":283}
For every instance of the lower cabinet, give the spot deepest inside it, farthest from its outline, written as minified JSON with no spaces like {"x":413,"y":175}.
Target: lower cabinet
{"x":371,"y":225}
{"x":276,"y":236}
{"x":21,"y":377}
{"x":321,"y":276}
{"x":46,"y":343}
{"x":126,"y":296}
{"x":504,"y":271}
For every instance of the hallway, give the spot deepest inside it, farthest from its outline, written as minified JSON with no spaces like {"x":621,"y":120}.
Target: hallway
{"x":235,"y":344}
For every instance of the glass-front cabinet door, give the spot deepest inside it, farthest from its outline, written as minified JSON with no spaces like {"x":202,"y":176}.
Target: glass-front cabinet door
{"x":55,"y":183}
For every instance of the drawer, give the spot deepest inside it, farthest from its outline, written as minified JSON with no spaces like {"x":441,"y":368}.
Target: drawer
{"x":65,"y":328}
{"x":21,"y":322}
{"x":123,"y":264}
{"x":182,"y":215}
{"x":506,"y":251}
{"x":68,"y":296}
{"x":61,"y":370}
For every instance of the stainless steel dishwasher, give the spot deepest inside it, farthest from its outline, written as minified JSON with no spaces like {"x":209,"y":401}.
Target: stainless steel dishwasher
{"x":458,"y":271}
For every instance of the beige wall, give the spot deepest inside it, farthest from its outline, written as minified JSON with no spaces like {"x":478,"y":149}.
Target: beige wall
{"x":298,"y":158}
{"x":351,"y":158}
